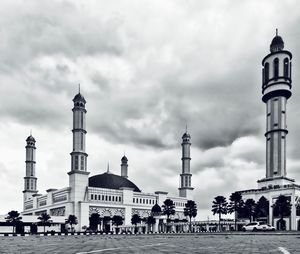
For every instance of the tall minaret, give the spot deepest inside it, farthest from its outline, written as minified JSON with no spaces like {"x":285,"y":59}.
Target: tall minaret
{"x":276,"y":90}
{"x":78,"y":176}
{"x":185,"y":189}
{"x":124,"y":167}
{"x":30,"y":178}
{"x":78,"y":155}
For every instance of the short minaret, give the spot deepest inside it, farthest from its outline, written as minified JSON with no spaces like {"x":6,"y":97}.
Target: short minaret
{"x":78,"y":176}
{"x":185,"y":189}
{"x":276,"y":90}
{"x":30,"y":178}
{"x":124,"y":167}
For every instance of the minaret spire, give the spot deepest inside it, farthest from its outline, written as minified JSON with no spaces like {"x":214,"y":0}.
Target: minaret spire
{"x":78,"y":175}
{"x":276,"y":90}
{"x":79,"y":155}
{"x":185,"y":189}
{"x":30,"y":179}
{"x":124,"y":166}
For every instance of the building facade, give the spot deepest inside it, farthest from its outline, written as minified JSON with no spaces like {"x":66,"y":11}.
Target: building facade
{"x":276,"y":90}
{"x":106,"y":194}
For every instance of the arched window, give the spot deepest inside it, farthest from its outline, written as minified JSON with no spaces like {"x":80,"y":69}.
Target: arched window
{"x":81,"y":141}
{"x":266,"y":72}
{"x":76,"y":162}
{"x":276,"y":67}
{"x":286,"y":67}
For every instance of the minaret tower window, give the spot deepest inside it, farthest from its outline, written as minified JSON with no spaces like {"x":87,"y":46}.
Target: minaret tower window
{"x":286,"y":67}
{"x":276,"y":68}
{"x":76,"y":162}
{"x":266,"y":72}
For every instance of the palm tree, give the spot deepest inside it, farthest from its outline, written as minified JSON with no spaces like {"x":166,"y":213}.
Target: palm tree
{"x":135,"y":220}
{"x":220,"y":207}
{"x":234,"y":205}
{"x":72,"y":220}
{"x":190,"y":210}
{"x":150,"y":222}
{"x":262,"y":208}
{"x":282,"y":207}
{"x":94,"y":221}
{"x":14,"y":218}
{"x":118,"y":221}
{"x":249,"y":208}
{"x":168,"y":209}
{"x":44,"y":220}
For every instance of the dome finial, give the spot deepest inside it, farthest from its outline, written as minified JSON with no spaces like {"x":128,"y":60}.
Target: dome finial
{"x":277,"y":43}
{"x":107,"y":168}
{"x":79,"y":88}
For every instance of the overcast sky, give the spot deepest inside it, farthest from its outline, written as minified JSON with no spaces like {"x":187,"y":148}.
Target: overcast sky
{"x":146,"y":68}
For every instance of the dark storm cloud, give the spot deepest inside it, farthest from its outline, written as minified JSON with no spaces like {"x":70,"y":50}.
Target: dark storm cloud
{"x":211,"y":104}
{"x":60,"y":28}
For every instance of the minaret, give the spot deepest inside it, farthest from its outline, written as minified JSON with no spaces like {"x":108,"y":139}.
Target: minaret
{"x":185,"y":189}
{"x":124,"y":167}
{"x":78,"y":155}
{"x":276,"y":90}
{"x":30,"y":178}
{"x":78,"y":176}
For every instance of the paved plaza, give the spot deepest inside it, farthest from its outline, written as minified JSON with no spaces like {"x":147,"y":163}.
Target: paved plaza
{"x":193,"y":243}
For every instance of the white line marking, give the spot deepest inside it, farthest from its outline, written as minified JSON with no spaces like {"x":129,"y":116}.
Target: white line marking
{"x":118,"y":248}
{"x":283,"y":250}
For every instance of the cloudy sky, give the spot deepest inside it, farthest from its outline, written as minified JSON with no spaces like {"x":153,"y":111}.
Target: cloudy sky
{"x":146,"y":69}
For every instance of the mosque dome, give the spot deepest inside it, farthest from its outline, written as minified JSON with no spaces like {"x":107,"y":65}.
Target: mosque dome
{"x":79,"y":97}
{"x":30,"y":139}
{"x":186,"y":135}
{"x":111,"y":181}
{"x":156,"y":209}
{"x":277,"y":44}
{"x":124,"y":158}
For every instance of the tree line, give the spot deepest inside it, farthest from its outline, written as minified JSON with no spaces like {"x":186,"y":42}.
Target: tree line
{"x":251,"y":209}
{"x":44,"y":220}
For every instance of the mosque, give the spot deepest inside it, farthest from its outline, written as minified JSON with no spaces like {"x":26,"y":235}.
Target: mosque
{"x":106,"y":194}
{"x":276,"y":90}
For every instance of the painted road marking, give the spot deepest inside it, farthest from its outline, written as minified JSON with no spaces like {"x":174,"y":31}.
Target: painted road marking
{"x":120,"y":248}
{"x":283,"y":250}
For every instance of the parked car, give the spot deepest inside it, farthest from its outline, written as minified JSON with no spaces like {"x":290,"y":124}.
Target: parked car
{"x":258,"y":226}
{"x":265,"y":227}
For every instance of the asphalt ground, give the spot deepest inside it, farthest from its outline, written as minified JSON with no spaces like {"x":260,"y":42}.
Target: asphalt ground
{"x":157,"y":243}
